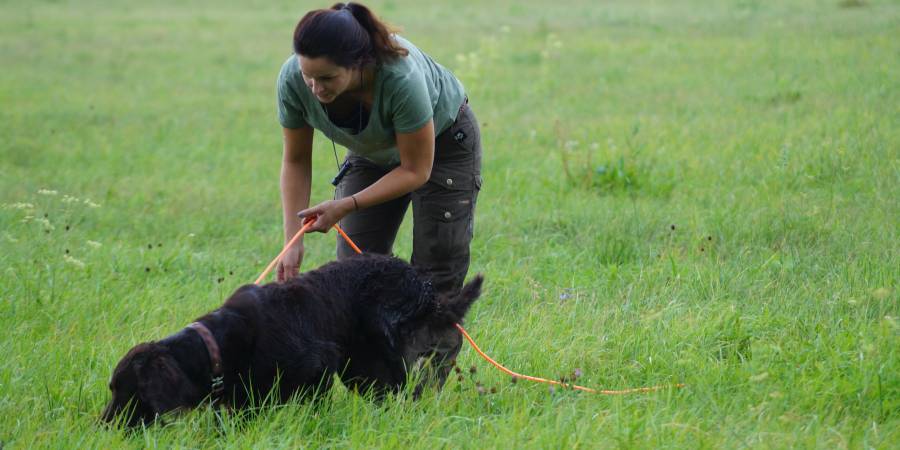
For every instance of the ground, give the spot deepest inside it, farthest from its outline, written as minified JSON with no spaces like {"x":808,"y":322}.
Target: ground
{"x":675,"y":192}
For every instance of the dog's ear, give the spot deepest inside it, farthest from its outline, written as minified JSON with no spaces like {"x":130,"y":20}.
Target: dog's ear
{"x":163,"y":386}
{"x":453,"y":308}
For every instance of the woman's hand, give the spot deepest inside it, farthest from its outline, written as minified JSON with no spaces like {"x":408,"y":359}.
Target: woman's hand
{"x":289,"y":266}
{"x":328,"y":213}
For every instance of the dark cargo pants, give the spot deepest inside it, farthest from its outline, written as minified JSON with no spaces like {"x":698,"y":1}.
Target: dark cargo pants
{"x":443,"y":208}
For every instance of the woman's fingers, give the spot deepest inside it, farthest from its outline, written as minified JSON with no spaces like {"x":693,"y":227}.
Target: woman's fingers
{"x":289,"y":265}
{"x":325,"y":215}
{"x":322,"y":224}
{"x":312,"y":215}
{"x":309,"y":212}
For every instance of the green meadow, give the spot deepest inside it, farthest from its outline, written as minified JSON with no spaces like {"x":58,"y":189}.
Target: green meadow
{"x":674,"y":192}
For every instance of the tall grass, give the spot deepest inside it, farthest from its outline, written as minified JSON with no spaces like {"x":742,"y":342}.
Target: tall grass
{"x":681,"y":191}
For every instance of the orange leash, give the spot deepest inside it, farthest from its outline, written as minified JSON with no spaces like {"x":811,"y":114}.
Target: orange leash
{"x":308,"y":222}
{"x":306,"y":225}
{"x":559,"y":383}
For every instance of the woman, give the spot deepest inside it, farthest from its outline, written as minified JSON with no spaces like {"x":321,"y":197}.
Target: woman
{"x":411,"y":138}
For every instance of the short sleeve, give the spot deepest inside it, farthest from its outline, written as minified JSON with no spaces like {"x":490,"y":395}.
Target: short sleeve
{"x":290,"y":109}
{"x":410,"y":103}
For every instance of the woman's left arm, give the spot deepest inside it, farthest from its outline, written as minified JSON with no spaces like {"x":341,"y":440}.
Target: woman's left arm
{"x":416,"y":157}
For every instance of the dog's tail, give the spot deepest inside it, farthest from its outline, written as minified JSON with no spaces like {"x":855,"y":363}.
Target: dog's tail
{"x":452,"y":309}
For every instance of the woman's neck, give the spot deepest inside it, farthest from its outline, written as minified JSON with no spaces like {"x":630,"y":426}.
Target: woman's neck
{"x":363,"y":87}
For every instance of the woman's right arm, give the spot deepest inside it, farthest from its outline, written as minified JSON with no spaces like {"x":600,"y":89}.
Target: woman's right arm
{"x":296,"y":176}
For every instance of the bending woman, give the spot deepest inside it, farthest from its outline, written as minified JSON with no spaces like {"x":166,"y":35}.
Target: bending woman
{"x":410,"y":134}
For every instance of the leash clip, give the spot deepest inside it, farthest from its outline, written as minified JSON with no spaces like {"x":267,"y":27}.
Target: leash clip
{"x":218,"y":384}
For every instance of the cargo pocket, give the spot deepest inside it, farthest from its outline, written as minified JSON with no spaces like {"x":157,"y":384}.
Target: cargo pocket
{"x":457,"y":157}
{"x":446,"y":231}
{"x":454,"y":178}
{"x":460,"y":175}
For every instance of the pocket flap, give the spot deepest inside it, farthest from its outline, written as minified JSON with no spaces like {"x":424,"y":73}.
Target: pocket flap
{"x":452,"y":178}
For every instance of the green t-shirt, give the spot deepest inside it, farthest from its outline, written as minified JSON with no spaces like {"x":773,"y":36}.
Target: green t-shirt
{"x":408,"y":92}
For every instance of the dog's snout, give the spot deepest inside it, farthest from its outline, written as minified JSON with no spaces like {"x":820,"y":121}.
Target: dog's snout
{"x":107,"y":415}
{"x":110,"y":412}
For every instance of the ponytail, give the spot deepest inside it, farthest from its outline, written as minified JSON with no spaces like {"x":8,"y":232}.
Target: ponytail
{"x":348,"y":34}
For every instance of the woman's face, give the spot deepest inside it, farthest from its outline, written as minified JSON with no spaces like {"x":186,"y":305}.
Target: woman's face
{"x":324,"y":78}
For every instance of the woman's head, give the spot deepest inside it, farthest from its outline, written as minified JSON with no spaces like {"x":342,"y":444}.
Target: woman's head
{"x":347,"y":34}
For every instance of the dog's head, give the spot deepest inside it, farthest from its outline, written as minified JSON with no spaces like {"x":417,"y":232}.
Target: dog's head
{"x":146,"y":384}
{"x":437,"y":337}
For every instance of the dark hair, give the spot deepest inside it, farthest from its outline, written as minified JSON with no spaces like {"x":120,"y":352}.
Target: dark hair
{"x":348,"y":34}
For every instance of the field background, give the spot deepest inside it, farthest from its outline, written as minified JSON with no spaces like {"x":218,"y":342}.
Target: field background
{"x":675,"y":191}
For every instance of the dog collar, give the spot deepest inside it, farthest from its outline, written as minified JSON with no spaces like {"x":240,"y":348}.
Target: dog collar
{"x":217,"y":380}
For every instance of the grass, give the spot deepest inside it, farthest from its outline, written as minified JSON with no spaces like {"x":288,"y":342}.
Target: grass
{"x":696,"y":192}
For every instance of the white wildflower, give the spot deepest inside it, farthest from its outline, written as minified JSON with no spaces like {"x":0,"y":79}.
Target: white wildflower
{"x":45,"y":222}
{"x":570,"y":145}
{"x":551,"y":44}
{"x":759,"y":377}
{"x":91,"y":204}
{"x":891,"y":322}
{"x":73,"y":261}
{"x":20,"y":205}
{"x":69,"y":199}
{"x":94,"y":244}
{"x":47,"y":192}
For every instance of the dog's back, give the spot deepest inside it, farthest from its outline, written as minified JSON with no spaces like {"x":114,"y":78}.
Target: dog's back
{"x":314,"y":324}
{"x":340,"y":297}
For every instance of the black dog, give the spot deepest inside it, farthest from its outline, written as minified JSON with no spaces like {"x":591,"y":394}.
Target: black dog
{"x":369,"y":319}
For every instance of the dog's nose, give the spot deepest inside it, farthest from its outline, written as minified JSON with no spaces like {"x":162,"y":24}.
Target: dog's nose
{"x":108,"y":413}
